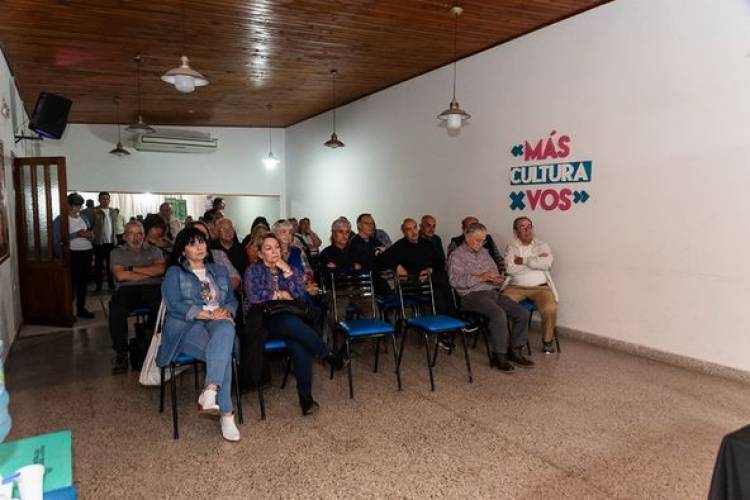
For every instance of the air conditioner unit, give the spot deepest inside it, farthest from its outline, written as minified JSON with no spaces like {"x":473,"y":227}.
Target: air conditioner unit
{"x":173,"y":144}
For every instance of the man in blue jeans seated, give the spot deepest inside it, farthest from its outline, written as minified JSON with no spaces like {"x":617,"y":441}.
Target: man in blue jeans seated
{"x":138,"y":270}
{"x":474,"y":275}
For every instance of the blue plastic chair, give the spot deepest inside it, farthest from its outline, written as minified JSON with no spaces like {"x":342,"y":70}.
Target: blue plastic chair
{"x":411,"y":288}
{"x":272,"y":346}
{"x":361,"y":329}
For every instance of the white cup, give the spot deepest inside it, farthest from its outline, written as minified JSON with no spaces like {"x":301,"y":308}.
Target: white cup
{"x":6,"y":490}
{"x":31,"y":482}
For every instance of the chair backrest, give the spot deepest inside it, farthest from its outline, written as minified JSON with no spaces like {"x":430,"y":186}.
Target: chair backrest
{"x":354,"y":286}
{"x":413,"y":289}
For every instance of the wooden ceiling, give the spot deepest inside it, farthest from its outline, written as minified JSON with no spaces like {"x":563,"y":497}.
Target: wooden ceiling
{"x":253,"y":52}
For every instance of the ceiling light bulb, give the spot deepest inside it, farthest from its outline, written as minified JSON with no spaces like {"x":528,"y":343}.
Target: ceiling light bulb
{"x":270,"y":161}
{"x":454,"y":121}
{"x":184,"y":83}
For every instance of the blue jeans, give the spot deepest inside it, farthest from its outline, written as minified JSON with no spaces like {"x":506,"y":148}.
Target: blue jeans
{"x":212,"y":342}
{"x":303,"y":344}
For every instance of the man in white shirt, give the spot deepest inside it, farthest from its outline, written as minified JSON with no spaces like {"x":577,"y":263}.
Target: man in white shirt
{"x":528,"y":262}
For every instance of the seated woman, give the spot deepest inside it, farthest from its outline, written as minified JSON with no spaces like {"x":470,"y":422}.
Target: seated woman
{"x":294,"y":256}
{"x":199,"y":322}
{"x":271,"y":278}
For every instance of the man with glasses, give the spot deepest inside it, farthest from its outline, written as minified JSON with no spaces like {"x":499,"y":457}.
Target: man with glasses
{"x":364,"y":245}
{"x":474,"y":275}
{"x":138,"y":270}
{"x":489,"y":243}
{"x":528,"y":262}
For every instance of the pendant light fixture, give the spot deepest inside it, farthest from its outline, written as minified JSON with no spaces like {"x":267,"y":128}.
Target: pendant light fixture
{"x":270,"y":161}
{"x":334,"y":141}
{"x":119,"y":150}
{"x":183,"y":77}
{"x":139,"y":126}
{"x":454,"y":116}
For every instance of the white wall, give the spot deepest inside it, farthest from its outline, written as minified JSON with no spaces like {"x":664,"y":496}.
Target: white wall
{"x":236,"y":168}
{"x":657,"y":94}
{"x":10,"y":303}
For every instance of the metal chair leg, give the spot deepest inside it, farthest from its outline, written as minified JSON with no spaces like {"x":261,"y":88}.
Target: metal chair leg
{"x":195,"y":375}
{"x":435,"y":353}
{"x":395,"y":362}
{"x":403,"y":345}
{"x":237,"y":394}
{"x":466,"y":355}
{"x":349,"y":367}
{"x":429,"y":365}
{"x":262,"y":402}
{"x":287,"y":371}
{"x":173,"y":383}
{"x":161,"y":389}
{"x":377,"y":355}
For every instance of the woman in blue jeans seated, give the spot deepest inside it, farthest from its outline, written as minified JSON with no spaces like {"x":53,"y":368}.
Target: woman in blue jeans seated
{"x":271,"y":278}
{"x":199,"y":322}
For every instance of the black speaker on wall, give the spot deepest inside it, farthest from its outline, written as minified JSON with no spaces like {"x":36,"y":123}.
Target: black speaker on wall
{"x":50,"y":116}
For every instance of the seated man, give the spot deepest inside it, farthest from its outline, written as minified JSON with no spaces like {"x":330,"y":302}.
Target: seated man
{"x":427,"y":227}
{"x":489,"y":244}
{"x":226,"y":241}
{"x":138,"y":270}
{"x":337,"y":260}
{"x":528,"y":262}
{"x":475,"y":277}
{"x":413,"y":256}
{"x":364,"y":245}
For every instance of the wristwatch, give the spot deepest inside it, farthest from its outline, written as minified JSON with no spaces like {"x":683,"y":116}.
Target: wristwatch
{"x":130,"y":268}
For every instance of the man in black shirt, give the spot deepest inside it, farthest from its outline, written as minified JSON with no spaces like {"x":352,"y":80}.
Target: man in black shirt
{"x":226,"y":240}
{"x":414,"y":256}
{"x":427,"y":227}
{"x":365,"y":246}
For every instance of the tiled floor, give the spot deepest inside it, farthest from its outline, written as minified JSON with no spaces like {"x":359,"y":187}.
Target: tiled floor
{"x":590,"y":423}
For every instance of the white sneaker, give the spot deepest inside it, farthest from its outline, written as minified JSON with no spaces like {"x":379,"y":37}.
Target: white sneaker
{"x":207,"y":402}
{"x":229,"y":429}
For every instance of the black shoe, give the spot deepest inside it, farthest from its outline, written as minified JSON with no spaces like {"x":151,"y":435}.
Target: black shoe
{"x":98,"y":288}
{"x":548,"y":347}
{"x":500,"y":361}
{"x":336,"y":360}
{"x":516,"y":356}
{"x":120,"y":364}
{"x":309,"y":406}
{"x":446,"y":343}
{"x":84,"y":314}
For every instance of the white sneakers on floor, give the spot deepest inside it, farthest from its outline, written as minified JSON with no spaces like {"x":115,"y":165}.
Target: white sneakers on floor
{"x":207,"y":406}
{"x":229,"y":429}
{"x":207,"y":403}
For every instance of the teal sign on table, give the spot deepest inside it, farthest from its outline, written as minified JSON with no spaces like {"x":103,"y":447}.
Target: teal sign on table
{"x":53,"y":450}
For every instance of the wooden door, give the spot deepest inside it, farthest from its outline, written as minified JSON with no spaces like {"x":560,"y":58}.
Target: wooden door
{"x":43,"y":265}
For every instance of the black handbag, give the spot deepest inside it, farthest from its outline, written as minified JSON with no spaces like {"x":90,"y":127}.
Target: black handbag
{"x":295,"y":307}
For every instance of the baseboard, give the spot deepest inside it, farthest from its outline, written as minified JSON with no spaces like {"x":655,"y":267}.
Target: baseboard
{"x":655,"y":354}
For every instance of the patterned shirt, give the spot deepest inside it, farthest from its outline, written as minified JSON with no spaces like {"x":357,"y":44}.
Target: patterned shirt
{"x":261,"y":282}
{"x":464,"y":267}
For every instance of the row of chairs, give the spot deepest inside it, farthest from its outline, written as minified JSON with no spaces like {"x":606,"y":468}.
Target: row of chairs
{"x":414,"y":307}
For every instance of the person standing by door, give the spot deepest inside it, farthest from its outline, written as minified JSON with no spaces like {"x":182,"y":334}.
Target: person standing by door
{"x":104,"y":240}
{"x":79,"y":240}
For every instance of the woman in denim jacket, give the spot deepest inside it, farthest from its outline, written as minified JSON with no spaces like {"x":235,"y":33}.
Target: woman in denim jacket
{"x":200,"y":309}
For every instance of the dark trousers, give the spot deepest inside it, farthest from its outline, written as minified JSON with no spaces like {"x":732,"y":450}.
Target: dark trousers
{"x":498,"y":309}
{"x":253,"y":336}
{"x":303,"y":344}
{"x":80,"y":264}
{"x":125,"y":299}
{"x":101,"y":254}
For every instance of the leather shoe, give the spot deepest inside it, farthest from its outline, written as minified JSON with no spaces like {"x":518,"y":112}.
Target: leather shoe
{"x":309,"y":406}
{"x":500,"y":361}
{"x":516,"y":356}
{"x":229,"y":429}
{"x":207,"y":403}
{"x":120,"y":364}
{"x":84,"y":314}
